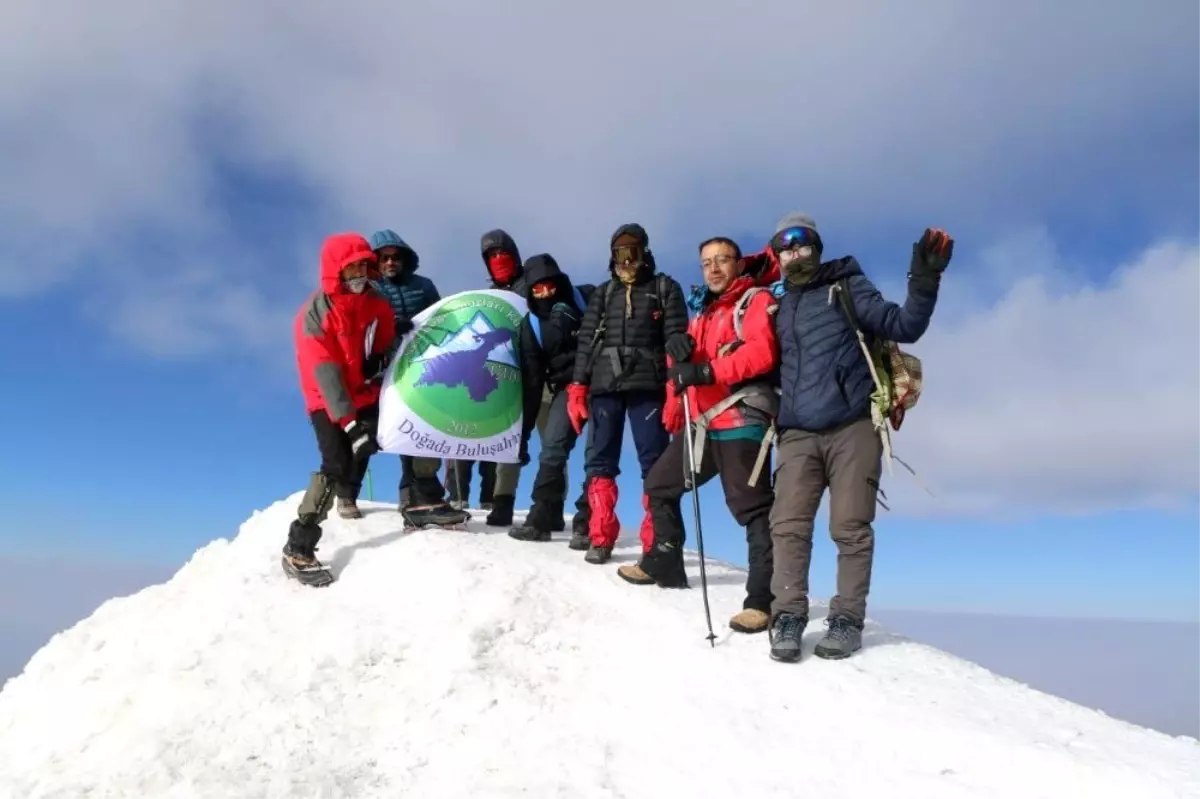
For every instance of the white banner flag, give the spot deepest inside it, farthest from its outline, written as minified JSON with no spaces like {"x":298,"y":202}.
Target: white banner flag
{"x":454,"y":388}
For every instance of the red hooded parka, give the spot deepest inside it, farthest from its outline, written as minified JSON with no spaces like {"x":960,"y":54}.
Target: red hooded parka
{"x":332,"y":330}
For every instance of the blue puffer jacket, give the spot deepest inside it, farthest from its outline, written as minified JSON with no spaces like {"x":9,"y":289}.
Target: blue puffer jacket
{"x":823,"y":373}
{"x":408,"y":292}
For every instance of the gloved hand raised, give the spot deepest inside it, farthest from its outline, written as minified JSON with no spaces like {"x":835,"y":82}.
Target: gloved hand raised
{"x":931,"y":255}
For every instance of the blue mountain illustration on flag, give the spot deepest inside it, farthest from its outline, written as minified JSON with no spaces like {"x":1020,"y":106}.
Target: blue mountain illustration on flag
{"x":461,"y":358}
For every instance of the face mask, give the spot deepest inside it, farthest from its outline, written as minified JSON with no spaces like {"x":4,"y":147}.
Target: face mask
{"x":356,"y":285}
{"x":799,"y":264}
{"x":502,"y":267}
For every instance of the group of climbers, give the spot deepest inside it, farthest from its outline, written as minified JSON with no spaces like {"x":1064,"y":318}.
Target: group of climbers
{"x":776,"y":359}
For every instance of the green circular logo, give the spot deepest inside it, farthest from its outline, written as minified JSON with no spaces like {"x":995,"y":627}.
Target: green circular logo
{"x":459,"y":373}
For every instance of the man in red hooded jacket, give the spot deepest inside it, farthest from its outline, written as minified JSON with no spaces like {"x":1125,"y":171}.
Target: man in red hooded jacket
{"x":343,"y":334}
{"x":729,"y":383}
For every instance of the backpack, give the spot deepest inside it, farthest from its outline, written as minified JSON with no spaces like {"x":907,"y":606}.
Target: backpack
{"x":536,"y":323}
{"x":758,"y":395}
{"x":897,"y":374}
{"x":898,"y":378}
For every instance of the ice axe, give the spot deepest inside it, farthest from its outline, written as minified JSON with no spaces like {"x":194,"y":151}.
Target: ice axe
{"x":691,"y":482}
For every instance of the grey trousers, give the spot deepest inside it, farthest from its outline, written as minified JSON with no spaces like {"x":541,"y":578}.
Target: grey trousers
{"x":848,"y":461}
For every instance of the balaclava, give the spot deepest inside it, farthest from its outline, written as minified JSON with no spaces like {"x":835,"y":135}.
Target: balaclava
{"x":543,"y":296}
{"x":502,"y":266}
{"x":628,"y":247}
{"x":798,"y":247}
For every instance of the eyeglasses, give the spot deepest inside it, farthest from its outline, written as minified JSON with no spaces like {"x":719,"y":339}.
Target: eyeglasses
{"x":720,"y":260}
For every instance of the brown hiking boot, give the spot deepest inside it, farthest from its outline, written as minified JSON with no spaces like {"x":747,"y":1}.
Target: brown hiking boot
{"x":348,"y":509}
{"x":632,"y":573}
{"x":750,"y":621}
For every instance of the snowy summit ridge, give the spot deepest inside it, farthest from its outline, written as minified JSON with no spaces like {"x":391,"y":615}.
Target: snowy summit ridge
{"x":446,"y":664}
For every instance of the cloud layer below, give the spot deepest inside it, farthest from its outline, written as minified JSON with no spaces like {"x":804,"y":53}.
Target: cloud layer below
{"x":1062,"y":395}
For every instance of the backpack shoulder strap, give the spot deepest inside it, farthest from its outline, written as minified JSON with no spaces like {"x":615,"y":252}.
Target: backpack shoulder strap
{"x":536,"y":324}
{"x":843,"y":291}
{"x":602,"y":321}
{"x":739,"y":308}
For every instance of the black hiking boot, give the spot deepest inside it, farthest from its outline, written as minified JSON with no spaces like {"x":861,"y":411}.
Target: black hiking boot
{"x":580,"y":541}
{"x":598,"y":555}
{"x":439,"y":515}
{"x":301,"y":564}
{"x":786,"y":635}
{"x":538,"y":524}
{"x":502,"y":511}
{"x":843,"y":639}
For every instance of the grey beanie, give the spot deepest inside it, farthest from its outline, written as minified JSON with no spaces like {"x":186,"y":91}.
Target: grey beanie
{"x":797,"y":219}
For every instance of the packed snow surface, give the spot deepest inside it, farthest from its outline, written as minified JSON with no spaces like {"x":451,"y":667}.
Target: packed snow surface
{"x":450,"y":664}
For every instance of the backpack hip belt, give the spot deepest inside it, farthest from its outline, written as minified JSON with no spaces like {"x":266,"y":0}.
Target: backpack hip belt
{"x":756,"y":395}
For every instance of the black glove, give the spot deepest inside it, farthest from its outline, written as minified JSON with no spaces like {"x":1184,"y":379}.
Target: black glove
{"x":362,"y":443}
{"x":931,"y":255}
{"x":373,"y":367}
{"x":403,"y":327}
{"x":680,"y":347}
{"x":683,"y":375}
{"x":523,"y":453}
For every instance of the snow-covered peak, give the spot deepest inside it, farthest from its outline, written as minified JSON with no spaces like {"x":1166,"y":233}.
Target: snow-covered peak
{"x":467,"y":338}
{"x":445,"y":664}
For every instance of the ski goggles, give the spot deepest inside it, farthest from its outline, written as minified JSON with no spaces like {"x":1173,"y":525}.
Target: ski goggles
{"x":628,"y":254}
{"x":544,"y":290}
{"x":793,"y":237}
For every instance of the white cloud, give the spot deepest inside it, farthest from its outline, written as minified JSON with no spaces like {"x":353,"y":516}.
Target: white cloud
{"x":555,"y":121}
{"x":1074,"y":400}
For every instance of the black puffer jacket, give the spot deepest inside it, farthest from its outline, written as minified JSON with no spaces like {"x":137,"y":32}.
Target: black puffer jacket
{"x":628,"y":354}
{"x":500,"y":240}
{"x":550,"y":362}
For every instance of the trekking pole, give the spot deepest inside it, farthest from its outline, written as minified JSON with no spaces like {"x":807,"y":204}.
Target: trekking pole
{"x":370,"y":488}
{"x":691,"y":466}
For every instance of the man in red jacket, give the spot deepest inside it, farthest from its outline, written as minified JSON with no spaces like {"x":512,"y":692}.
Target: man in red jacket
{"x":343,"y":335}
{"x":728,"y":377}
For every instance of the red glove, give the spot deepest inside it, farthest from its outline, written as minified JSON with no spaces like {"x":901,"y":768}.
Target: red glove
{"x":577,"y":405}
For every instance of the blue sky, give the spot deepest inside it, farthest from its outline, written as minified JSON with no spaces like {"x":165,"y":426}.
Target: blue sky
{"x":178,"y":175}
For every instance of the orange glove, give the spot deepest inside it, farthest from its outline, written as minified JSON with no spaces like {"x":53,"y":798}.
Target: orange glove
{"x":577,"y":405}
